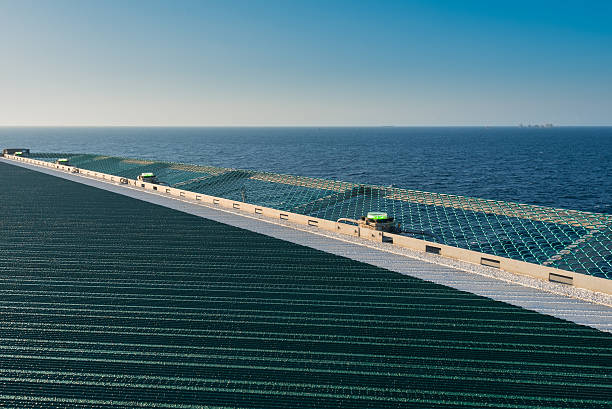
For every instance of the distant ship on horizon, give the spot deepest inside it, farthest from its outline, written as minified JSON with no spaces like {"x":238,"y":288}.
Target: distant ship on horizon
{"x":536,"y":125}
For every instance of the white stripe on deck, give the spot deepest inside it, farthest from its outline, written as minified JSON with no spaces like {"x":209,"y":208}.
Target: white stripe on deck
{"x":547,"y":298}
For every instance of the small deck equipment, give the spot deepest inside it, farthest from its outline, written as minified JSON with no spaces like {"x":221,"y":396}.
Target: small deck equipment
{"x":379,"y":221}
{"x":63,"y":161}
{"x":148,"y":177}
{"x":16,"y":151}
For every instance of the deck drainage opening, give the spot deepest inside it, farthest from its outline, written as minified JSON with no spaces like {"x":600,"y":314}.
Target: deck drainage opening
{"x":258,"y":210}
{"x":313,"y":223}
{"x":561,"y":279}
{"x":284,"y":216}
{"x":216,"y":201}
{"x":489,"y":262}
{"x":236,"y":205}
{"x":433,"y":249}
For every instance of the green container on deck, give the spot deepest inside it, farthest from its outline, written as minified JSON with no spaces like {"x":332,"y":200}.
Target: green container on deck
{"x":377,"y":215}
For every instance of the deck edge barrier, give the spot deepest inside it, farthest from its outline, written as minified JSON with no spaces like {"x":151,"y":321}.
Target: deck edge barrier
{"x":532,"y":270}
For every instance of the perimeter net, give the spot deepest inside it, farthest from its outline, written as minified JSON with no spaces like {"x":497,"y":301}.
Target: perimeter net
{"x":566,"y":239}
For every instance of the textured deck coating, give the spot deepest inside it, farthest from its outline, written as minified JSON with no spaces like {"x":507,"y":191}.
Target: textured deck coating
{"x":112,"y":302}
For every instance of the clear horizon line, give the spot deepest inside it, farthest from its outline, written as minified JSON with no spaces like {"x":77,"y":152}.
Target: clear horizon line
{"x":538,"y":125}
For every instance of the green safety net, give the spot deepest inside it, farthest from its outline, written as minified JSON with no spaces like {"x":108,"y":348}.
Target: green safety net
{"x":566,"y":239}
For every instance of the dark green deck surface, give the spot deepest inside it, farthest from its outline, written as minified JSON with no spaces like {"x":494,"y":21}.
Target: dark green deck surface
{"x":107,"y":301}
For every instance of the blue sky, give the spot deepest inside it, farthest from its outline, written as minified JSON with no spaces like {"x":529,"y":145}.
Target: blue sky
{"x":305,"y":62}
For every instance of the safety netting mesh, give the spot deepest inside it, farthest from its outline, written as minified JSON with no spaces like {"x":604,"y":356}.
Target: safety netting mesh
{"x":567,"y":239}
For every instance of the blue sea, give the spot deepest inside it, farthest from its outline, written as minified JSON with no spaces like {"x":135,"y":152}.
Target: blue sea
{"x":568,"y":167}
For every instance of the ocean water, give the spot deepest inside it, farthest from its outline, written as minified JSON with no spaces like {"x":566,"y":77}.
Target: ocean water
{"x":568,"y":167}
